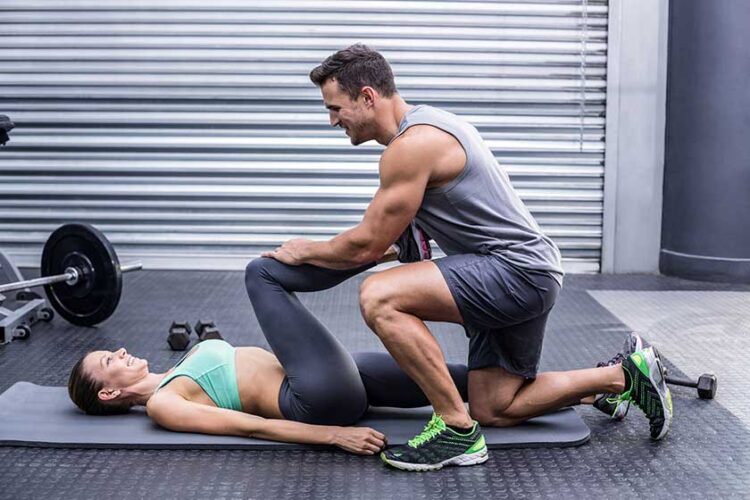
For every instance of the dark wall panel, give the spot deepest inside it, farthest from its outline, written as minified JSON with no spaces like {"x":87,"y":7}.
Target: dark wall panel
{"x":706,"y":218}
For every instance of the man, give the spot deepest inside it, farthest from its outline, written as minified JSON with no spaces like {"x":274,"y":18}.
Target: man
{"x":500,"y":279}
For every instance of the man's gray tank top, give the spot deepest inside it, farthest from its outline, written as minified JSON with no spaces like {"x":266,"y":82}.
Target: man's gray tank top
{"x":479,"y":211}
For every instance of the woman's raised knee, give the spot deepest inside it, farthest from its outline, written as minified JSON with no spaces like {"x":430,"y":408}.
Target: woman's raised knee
{"x":256,"y":273}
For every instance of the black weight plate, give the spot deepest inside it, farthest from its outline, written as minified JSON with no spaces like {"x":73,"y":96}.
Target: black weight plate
{"x":96,"y":295}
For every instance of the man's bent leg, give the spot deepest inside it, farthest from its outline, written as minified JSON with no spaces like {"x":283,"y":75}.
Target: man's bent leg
{"x":500,"y":399}
{"x":395,"y":303}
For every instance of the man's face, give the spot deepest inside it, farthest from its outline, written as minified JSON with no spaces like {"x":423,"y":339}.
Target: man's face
{"x":351,"y":115}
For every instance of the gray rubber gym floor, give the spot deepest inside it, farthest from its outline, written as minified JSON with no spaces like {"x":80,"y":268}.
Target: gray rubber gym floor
{"x":698,"y":326}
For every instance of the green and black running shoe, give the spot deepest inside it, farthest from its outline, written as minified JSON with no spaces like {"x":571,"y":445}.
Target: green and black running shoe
{"x":610,"y":403}
{"x":648,"y":389}
{"x":438,"y":446}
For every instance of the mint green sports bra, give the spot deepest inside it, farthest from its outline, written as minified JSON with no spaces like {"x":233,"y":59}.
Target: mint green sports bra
{"x":211,"y":365}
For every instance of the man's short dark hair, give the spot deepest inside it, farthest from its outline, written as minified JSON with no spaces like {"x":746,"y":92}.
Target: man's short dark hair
{"x":355,"y":67}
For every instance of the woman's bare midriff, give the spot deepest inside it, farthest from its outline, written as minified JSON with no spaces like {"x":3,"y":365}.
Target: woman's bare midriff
{"x":259,"y":377}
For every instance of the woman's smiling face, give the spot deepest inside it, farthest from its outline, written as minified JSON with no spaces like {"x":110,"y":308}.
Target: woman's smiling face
{"x":116,"y":370}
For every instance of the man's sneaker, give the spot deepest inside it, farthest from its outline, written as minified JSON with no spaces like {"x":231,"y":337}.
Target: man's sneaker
{"x":413,"y":245}
{"x":608,"y":403}
{"x":611,"y":405}
{"x":437,"y":446}
{"x":648,"y":389}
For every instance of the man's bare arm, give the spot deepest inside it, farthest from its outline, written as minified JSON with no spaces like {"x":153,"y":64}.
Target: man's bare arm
{"x":405,"y":170}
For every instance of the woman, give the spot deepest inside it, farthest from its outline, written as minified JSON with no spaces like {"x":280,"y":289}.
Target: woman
{"x":307,"y":391}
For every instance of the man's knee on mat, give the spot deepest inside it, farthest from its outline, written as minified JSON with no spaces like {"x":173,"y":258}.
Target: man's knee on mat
{"x":496,"y":410}
{"x":490,"y":416}
{"x":492,"y":391}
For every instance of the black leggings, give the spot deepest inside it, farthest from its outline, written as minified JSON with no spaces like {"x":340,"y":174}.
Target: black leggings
{"x":324,"y":384}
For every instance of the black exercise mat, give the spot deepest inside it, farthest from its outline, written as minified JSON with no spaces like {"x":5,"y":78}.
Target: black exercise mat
{"x":40,"y":416}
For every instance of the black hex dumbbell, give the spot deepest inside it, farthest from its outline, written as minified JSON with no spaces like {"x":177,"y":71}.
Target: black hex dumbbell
{"x":706,"y":384}
{"x":179,"y":335}
{"x":207,"y":330}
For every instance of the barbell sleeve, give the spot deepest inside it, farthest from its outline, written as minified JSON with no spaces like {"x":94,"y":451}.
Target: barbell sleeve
{"x":133,"y":266}
{"x":59,"y":278}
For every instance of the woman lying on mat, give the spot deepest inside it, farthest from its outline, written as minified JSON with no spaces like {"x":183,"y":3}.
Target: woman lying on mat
{"x":306,"y":391}
{"x":220,"y":389}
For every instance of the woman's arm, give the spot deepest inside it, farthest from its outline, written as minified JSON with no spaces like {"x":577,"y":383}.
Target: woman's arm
{"x":176,"y":413}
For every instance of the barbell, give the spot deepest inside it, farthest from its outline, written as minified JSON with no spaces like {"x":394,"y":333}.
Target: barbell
{"x":81,"y":274}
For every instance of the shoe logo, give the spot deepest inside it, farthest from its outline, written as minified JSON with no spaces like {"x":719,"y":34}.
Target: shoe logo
{"x":396,"y":454}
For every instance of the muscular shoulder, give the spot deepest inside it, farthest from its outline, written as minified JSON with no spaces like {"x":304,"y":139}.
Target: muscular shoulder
{"x":425,"y":149}
{"x":419,"y":145}
{"x":424,"y":140}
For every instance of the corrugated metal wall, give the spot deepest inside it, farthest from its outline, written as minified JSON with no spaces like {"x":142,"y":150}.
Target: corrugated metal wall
{"x":188,"y":131}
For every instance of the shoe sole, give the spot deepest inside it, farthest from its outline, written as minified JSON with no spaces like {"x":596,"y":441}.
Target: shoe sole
{"x":656,"y":377}
{"x":475,"y":458}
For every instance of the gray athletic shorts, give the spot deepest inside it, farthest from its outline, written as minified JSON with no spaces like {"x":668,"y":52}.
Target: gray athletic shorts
{"x":504,"y":309}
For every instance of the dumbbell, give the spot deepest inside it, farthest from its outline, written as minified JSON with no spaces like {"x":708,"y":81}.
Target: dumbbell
{"x":207,"y":330}
{"x":179,"y":335}
{"x":706,"y":384}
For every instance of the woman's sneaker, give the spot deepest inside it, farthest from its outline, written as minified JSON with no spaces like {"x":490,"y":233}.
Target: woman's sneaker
{"x":609,"y":403}
{"x":648,"y":389}
{"x":437,"y":446}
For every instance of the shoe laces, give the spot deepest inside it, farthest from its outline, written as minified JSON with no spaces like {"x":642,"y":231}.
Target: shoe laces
{"x":617,"y":400}
{"x":434,"y":427}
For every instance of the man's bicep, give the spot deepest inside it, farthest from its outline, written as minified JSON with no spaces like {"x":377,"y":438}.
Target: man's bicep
{"x":392,"y":208}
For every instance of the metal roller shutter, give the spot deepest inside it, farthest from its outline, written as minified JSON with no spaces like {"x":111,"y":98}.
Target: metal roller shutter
{"x":188,"y":131}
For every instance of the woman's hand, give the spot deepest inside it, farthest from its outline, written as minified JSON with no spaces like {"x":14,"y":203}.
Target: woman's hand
{"x":359,"y":440}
